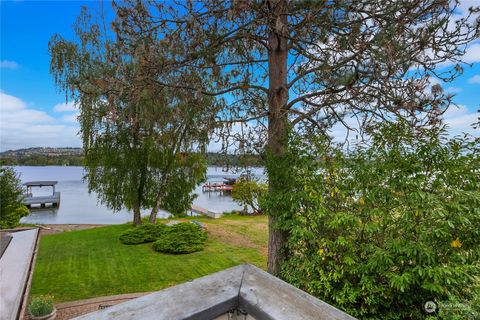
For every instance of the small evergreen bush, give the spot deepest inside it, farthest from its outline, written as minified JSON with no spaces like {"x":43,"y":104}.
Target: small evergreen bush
{"x":181,"y":238}
{"x":41,"y":306}
{"x":132,"y":236}
{"x":152,"y":232}
{"x":11,"y":195}
{"x":143,"y":234}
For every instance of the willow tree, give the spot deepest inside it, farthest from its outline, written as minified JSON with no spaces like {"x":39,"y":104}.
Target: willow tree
{"x":280,"y":65}
{"x":144,"y":146}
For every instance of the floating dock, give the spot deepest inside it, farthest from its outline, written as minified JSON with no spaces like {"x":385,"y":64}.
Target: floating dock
{"x":42,"y":201}
{"x":206,"y":212}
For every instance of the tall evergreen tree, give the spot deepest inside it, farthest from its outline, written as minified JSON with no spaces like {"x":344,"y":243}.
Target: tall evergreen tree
{"x":278,"y":65}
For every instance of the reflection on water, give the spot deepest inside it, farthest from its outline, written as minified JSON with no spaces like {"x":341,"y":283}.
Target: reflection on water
{"x":39,"y":215}
{"x":78,"y":206}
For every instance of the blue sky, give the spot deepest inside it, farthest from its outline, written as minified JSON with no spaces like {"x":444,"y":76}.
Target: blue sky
{"x":33,"y":113}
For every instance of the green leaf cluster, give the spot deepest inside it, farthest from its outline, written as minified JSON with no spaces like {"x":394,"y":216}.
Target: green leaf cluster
{"x":380,"y":229}
{"x":248,"y":192}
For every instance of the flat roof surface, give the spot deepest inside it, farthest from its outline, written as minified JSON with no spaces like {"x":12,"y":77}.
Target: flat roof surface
{"x":14,"y":271}
{"x":40,"y":183}
{"x":245,"y":287}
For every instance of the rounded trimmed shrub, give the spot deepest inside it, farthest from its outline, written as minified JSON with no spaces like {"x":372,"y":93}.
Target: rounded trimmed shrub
{"x":143,"y":233}
{"x":41,"y":306}
{"x":181,"y":238}
{"x":132,"y":236}
{"x":152,"y":232}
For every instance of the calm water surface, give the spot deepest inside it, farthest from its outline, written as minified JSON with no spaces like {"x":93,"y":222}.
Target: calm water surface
{"x":78,"y":206}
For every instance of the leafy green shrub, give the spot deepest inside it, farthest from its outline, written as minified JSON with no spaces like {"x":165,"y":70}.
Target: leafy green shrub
{"x":143,"y":233}
{"x":181,"y":238}
{"x":384,"y":228}
{"x":11,"y":194}
{"x":41,"y":306}
{"x":248,"y":192}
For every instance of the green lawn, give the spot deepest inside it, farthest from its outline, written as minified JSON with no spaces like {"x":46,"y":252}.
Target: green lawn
{"x":90,"y":263}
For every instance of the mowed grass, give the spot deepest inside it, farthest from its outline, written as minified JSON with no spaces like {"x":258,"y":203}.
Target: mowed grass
{"x":76,"y":265}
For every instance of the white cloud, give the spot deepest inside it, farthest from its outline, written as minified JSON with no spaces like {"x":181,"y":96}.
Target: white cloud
{"x":472,"y":54}
{"x":71,"y":108}
{"x":10,"y":103}
{"x":14,"y":112}
{"x":72,"y":118}
{"x":459,"y":120}
{"x":474,"y":79}
{"x":7,"y":64}
{"x":453,"y":90}
{"x":65,"y":107}
{"x":23,"y":127}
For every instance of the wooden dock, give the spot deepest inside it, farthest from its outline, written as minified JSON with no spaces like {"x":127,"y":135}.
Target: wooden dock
{"x":206,"y":212}
{"x":208,"y":187}
{"x":52,"y":200}
{"x":43,"y":201}
{"x":226,"y":186}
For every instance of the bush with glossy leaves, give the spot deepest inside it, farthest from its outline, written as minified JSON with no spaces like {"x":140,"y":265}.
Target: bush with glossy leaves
{"x":383,"y":228}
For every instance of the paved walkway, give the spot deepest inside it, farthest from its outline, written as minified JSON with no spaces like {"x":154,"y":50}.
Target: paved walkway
{"x":14,"y":272}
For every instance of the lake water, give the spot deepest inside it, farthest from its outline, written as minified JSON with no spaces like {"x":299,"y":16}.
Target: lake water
{"x":79,"y":207}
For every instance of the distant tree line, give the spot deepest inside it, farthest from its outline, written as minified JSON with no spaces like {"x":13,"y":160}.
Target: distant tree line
{"x":213,"y":159}
{"x":41,"y":160}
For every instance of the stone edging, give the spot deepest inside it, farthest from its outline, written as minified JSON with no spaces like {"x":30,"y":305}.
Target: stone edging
{"x":99,"y":300}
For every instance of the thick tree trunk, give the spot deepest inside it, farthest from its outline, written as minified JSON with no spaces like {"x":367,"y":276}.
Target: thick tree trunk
{"x":277,"y":123}
{"x":137,"y":217}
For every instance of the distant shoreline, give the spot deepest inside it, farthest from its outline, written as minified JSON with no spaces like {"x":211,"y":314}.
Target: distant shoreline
{"x":73,"y":157}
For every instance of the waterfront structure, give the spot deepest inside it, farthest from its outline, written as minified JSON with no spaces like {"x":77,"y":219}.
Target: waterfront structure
{"x":42,"y":201}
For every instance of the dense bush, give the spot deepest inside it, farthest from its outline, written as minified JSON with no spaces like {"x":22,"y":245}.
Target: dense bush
{"x":143,"y":233}
{"x":247,"y":193}
{"x":382,"y":229}
{"x":41,"y":306}
{"x":181,"y":238}
{"x":11,"y":194}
